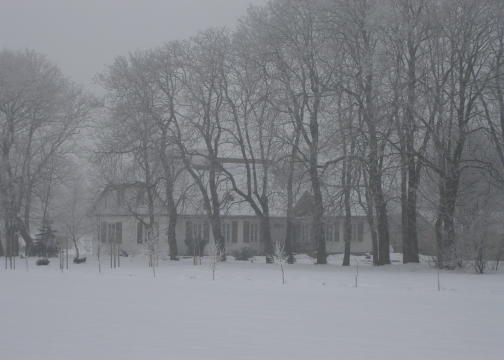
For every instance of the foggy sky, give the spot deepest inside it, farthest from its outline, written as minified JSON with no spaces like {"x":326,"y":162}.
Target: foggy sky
{"x":82,"y":36}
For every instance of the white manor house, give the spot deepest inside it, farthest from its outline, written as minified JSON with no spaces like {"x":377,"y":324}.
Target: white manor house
{"x":119,"y":223}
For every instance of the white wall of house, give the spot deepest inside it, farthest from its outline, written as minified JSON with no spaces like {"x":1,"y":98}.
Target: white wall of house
{"x":239,"y":232}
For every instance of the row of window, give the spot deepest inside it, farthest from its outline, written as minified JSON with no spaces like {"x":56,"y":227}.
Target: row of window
{"x":110,"y":232}
{"x":200,"y":231}
{"x":332,"y":232}
{"x":143,"y":232}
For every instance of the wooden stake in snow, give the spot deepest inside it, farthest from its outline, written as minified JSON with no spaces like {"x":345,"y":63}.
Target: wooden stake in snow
{"x":438,"y":280}
{"x":357,"y":274}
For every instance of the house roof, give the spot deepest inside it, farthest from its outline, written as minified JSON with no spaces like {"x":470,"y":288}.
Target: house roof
{"x":305,"y":205}
{"x":126,"y":198}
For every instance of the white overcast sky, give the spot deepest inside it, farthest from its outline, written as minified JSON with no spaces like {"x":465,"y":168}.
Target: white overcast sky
{"x":82,"y":36}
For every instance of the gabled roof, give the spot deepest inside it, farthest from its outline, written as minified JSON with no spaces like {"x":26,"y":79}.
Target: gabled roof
{"x":123,"y":198}
{"x":305,"y":205}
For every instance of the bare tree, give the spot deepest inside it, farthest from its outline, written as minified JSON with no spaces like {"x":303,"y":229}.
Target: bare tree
{"x":458,"y":59}
{"x":131,"y":136}
{"x":360,"y":21}
{"x":40,"y":110}
{"x":409,"y":31}
{"x":199,"y":132}
{"x":168,"y":72}
{"x":305,"y":59}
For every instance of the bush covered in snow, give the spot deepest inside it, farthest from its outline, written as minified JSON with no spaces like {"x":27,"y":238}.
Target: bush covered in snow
{"x":244,"y":254}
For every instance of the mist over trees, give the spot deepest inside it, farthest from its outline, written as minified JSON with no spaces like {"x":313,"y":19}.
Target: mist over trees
{"x":41,"y":112}
{"x":375,"y":107}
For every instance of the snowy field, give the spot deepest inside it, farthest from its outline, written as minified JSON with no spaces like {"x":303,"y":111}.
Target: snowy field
{"x":396,"y":312}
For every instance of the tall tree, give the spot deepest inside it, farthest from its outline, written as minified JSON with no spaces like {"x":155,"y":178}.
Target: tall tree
{"x":360,"y":21}
{"x":40,"y":110}
{"x":305,"y":59}
{"x":199,"y":132}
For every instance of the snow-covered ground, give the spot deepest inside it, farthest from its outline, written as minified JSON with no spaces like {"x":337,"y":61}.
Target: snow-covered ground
{"x":396,"y":312}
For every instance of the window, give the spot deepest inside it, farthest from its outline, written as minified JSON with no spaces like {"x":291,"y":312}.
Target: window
{"x":250,"y":232}
{"x":253,"y":232}
{"x":199,"y":231}
{"x":226,"y":232}
{"x":139,"y":232}
{"x":206,"y":231}
{"x":118,"y":232}
{"x":143,"y":232}
{"x":234,"y":232}
{"x":103,"y":232}
{"x":110,"y":232}
{"x":331,"y":232}
{"x":360,"y":232}
{"x":307,"y":229}
{"x":246,"y":230}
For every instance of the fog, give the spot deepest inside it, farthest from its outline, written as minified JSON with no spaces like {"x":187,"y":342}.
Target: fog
{"x":322,"y":180}
{"x":83,"y":36}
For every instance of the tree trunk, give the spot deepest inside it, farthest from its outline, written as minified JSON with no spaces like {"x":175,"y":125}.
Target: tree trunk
{"x":172,"y":237}
{"x":372,"y":223}
{"x":404,"y":203}
{"x":383,"y":231}
{"x":27,"y":207}
{"x":318,"y":213}
{"x":445,"y":225}
{"x":412,"y":233}
{"x":215,"y":218}
{"x":381,"y":212}
{"x":289,"y":233}
{"x":77,"y":254}
{"x":172,"y":223}
{"x":266,"y":238}
{"x":347,"y":234}
{"x":375,"y":170}
{"x":218,"y":238}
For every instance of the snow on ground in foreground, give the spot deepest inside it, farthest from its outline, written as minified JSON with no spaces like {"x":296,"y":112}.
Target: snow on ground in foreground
{"x":246,"y":313}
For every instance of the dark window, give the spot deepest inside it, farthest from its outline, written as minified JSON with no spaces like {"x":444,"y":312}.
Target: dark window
{"x":206,"y":231}
{"x":336,"y":231}
{"x":139,"y":233}
{"x":189,"y":231}
{"x":360,"y":231}
{"x":298,"y":233}
{"x":197,"y":231}
{"x":246,"y":226}
{"x":328,"y":232}
{"x":111,"y":233}
{"x":226,"y":232}
{"x":103,"y":232}
{"x":354,"y":232}
{"x":253,"y":233}
{"x":118,"y":232}
{"x":234,"y":235}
